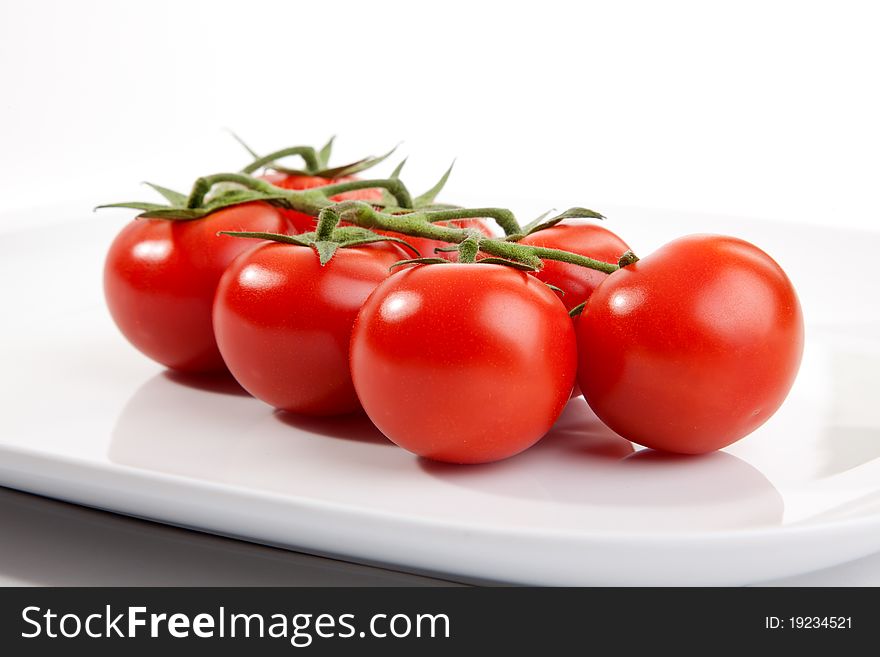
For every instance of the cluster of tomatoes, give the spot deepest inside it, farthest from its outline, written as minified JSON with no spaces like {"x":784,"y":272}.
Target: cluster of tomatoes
{"x":687,"y":350}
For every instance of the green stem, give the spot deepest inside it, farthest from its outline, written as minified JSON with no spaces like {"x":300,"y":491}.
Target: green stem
{"x":307,"y":201}
{"x":327,"y":222}
{"x":627,"y":259}
{"x":503,"y":217}
{"x":420,"y":224}
{"x":307,"y":153}
{"x":468,"y":249}
{"x":203,"y":185}
{"x":394,"y":186}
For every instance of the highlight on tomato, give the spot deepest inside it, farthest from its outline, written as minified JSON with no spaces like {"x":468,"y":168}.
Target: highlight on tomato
{"x":692,"y":347}
{"x":463,"y":362}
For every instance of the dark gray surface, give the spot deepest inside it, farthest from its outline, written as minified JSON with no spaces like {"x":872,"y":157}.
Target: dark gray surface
{"x":44,"y":542}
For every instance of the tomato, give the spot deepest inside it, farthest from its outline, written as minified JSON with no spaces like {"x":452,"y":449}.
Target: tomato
{"x":692,"y":347}
{"x":585,"y":238}
{"x":304,"y":223}
{"x":464,"y":363}
{"x":160,"y":277}
{"x":283,"y":322}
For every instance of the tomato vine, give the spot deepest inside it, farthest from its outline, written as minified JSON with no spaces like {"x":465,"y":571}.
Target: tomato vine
{"x":403,"y":218}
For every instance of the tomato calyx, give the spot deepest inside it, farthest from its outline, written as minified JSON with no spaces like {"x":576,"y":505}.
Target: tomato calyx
{"x":467,"y":254}
{"x":316,"y":161}
{"x":627,"y":259}
{"x":426,"y":223}
{"x":328,"y":237}
{"x":541,"y":223}
{"x":239,"y":188}
{"x":221,"y":190}
{"x":482,"y":261}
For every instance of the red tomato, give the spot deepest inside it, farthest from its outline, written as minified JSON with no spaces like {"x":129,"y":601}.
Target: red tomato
{"x":283,"y":322}
{"x":426,"y":246}
{"x":160,"y":277}
{"x":465,"y":363}
{"x":692,"y":347}
{"x":304,"y":223}
{"x":585,"y":238}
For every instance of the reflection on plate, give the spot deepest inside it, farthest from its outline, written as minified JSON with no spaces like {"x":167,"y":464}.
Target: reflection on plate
{"x":201,"y":427}
{"x":88,"y":419}
{"x":583,"y":462}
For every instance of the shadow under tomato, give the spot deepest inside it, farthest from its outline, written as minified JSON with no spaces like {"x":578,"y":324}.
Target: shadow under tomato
{"x":221,"y":384}
{"x":354,"y":426}
{"x":582,"y":462}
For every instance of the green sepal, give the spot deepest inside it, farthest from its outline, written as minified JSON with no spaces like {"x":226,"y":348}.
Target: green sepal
{"x":134,"y":205}
{"x":179,"y":211}
{"x":539,"y":219}
{"x":554,"y":288}
{"x":577,"y":310}
{"x":324,"y":153}
{"x":428,"y":197}
{"x":354,"y":167}
{"x":395,"y":209}
{"x":420,"y":261}
{"x":572,"y":213}
{"x":274,"y":237}
{"x":326,"y":249}
{"x":174,"y":198}
{"x":381,"y":238}
{"x":349,"y":236}
{"x":238,"y":196}
{"x":244,"y":145}
{"x":387,"y":197}
{"x":507,"y":263}
{"x":319,"y":158}
{"x":343,"y":238}
{"x":176,"y":214}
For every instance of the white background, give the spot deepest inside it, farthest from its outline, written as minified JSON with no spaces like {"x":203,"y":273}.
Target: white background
{"x":755,"y":109}
{"x":759,"y":109}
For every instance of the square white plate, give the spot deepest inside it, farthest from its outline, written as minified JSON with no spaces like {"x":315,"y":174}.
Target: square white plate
{"x":85,"y":418}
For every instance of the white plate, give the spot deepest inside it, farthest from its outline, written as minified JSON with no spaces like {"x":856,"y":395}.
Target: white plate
{"x":88,"y":419}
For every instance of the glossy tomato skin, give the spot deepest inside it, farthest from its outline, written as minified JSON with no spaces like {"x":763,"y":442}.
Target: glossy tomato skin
{"x":585,"y":238}
{"x":304,"y":223}
{"x":463,"y":363}
{"x":283,"y":322}
{"x":160,"y":277}
{"x":693,"y":347}
{"x":426,"y":246}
